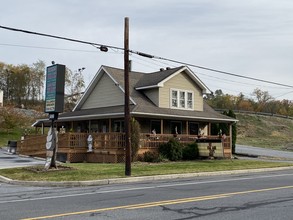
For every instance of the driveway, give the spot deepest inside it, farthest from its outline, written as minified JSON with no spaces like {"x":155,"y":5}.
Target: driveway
{"x":8,"y":160}
{"x":257,"y":151}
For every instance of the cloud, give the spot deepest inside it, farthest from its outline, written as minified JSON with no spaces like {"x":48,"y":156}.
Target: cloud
{"x":252,"y":37}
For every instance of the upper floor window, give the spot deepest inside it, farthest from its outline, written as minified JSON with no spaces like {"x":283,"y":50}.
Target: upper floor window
{"x":181,"y":99}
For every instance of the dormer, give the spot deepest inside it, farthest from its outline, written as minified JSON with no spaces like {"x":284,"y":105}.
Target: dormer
{"x":177,"y":88}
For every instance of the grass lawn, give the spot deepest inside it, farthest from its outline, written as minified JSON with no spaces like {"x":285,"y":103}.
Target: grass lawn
{"x":5,"y":136}
{"x":95,"y":171}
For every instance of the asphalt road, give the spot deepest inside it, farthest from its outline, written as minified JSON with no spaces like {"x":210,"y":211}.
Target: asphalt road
{"x":267,"y":195}
{"x":257,"y":151}
{"x":8,"y":160}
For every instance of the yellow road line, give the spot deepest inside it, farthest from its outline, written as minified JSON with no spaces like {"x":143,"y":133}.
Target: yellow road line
{"x":166,"y":202}
{"x":135,"y":206}
{"x":196,"y":199}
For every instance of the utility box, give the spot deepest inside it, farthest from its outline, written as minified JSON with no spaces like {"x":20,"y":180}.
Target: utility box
{"x":12,"y":145}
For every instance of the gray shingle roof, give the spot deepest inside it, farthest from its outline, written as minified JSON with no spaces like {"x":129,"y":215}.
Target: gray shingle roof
{"x":152,"y":79}
{"x":144,"y":106}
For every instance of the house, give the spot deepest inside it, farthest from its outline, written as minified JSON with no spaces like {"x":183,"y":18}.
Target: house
{"x":165,"y":103}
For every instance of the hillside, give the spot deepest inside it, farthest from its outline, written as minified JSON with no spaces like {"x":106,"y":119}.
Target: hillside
{"x":265,"y":131}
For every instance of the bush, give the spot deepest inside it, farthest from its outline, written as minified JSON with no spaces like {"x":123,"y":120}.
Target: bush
{"x":171,"y":150}
{"x":152,"y":157}
{"x":134,"y":137}
{"x":190,"y":152}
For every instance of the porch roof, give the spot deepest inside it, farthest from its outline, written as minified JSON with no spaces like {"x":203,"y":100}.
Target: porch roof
{"x":146,"y":111}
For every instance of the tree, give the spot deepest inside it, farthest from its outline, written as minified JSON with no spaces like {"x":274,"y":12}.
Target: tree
{"x":19,"y":80}
{"x":221,"y":100}
{"x":74,"y":85}
{"x":37,"y":76}
{"x":22,"y":83}
{"x":134,"y":137}
{"x":234,"y":131}
{"x":11,"y":119}
{"x":262,"y":98}
{"x":226,"y":129}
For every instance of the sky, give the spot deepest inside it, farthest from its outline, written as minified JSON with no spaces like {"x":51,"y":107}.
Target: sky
{"x":251,"y":38}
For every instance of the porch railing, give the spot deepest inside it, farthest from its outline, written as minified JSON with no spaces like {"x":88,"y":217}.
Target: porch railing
{"x":77,"y":142}
{"x":153,"y":141}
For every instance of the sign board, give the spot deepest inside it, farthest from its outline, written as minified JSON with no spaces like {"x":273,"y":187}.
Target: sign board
{"x":54,"y":97}
{"x":204,"y":151}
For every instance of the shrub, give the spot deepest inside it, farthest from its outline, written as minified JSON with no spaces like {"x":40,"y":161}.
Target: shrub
{"x":190,"y":152}
{"x":152,"y":157}
{"x":12,"y":118}
{"x":171,"y":150}
{"x":134,"y":136}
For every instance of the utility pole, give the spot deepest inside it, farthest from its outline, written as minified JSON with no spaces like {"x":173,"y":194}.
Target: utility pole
{"x":126,"y":99}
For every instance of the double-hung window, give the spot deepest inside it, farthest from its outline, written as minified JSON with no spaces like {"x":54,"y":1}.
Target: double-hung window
{"x":174,"y":99}
{"x":181,"y":99}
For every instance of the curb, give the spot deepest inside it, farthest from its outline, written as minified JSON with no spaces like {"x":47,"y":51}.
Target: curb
{"x":134,"y":179}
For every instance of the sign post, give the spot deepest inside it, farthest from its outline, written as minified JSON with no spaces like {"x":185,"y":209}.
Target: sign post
{"x":54,"y":103}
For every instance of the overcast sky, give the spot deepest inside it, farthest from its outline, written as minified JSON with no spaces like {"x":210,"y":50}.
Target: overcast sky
{"x":253,"y":38}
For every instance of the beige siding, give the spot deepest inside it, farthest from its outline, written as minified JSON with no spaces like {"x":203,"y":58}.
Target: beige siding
{"x":182,"y":82}
{"x":153,"y":95}
{"x":105,"y":94}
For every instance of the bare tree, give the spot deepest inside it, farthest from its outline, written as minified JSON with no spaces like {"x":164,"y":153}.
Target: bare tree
{"x":74,"y":85}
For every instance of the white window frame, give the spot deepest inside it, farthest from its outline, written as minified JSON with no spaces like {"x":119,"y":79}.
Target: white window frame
{"x":178,"y":99}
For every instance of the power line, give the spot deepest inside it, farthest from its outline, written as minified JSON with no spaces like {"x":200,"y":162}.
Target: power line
{"x":209,"y":69}
{"x":103,"y":47}
{"x":48,"y":48}
{"x":61,"y":38}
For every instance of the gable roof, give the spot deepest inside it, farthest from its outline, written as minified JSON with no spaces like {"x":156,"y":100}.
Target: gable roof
{"x":138,"y":81}
{"x":141,"y":105}
{"x":110,"y":72}
{"x":157,"y":79}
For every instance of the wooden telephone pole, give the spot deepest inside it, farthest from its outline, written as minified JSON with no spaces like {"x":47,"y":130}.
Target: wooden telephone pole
{"x":126,"y":99}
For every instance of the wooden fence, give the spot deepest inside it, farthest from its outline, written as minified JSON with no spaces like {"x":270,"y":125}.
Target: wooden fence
{"x":107,"y":147}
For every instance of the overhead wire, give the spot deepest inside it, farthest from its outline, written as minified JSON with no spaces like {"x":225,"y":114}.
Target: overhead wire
{"x":59,"y":37}
{"x":48,"y":48}
{"x":103,"y":46}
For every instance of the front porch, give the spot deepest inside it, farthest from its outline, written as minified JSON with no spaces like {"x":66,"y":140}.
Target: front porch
{"x":109,"y":147}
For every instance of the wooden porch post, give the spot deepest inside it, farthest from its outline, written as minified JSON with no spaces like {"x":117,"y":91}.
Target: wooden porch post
{"x":230,"y":135}
{"x":209,"y":128}
{"x":187,"y":128}
{"x":110,"y":125}
{"x":43,"y":128}
{"x":90,"y":124}
{"x":162,"y":126}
